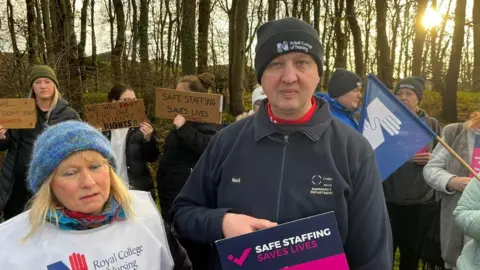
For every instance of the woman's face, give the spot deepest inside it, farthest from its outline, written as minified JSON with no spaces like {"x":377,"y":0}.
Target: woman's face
{"x":183,"y":86}
{"x":82,"y":182}
{"x":44,"y":88}
{"x":128,"y":95}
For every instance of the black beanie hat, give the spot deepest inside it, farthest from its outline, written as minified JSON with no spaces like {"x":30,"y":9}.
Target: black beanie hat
{"x":342,"y":82}
{"x":414,"y":83}
{"x":283,"y":36}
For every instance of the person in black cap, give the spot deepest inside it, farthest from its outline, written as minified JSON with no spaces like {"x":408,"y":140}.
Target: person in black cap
{"x":344,"y":96}
{"x":411,"y":202}
{"x":302,"y":161}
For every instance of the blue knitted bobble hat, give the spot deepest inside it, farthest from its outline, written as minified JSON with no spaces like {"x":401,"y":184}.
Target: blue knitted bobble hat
{"x":60,"y":141}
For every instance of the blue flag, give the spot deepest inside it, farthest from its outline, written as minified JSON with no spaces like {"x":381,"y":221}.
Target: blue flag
{"x":395,"y":133}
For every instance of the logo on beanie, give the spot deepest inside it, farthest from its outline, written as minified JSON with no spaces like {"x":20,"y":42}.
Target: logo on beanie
{"x":282,"y":47}
{"x":359,"y":84}
{"x":406,"y":85}
{"x":297,"y":45}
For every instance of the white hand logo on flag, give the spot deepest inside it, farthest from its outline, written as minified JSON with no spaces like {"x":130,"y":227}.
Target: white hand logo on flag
{"x":379,"y":115}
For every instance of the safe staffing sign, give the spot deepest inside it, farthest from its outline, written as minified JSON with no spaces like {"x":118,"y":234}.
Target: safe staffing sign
{"x":309,"y":243}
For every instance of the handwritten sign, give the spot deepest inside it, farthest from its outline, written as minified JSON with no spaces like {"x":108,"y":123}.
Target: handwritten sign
{"x":309,"y":243}
{"x":194,"y":106}
{"x":18,"y":113}
{"x":115,"y":115}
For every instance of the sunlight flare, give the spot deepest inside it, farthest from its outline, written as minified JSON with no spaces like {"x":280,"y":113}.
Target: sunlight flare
{"x":432,"y":18}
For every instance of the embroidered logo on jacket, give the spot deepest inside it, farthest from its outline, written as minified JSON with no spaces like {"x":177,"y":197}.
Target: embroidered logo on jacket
{"x":321,"y":185}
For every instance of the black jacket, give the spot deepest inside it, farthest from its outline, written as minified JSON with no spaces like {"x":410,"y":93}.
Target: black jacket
{"x":138,"y":153}
{"x":183,"y":148}
{"x":406,"y":186}
{"x":62,"y":112}
{"x":253,"y":167}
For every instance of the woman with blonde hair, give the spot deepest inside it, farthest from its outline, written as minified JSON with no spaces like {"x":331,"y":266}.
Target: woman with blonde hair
{"x":83,"y":213}
{"x":448,"y":176}
{"x":51,"y":108}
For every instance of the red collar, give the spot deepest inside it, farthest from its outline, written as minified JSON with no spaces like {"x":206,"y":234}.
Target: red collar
{"x":302,"y":120}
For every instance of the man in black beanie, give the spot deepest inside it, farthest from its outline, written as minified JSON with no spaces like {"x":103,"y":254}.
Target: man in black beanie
{"x":411,"y":202}
{"x":344,"y":96}
{"x":289,"y":141}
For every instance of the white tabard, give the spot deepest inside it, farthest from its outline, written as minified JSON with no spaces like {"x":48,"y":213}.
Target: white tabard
{"x":137,"y":243}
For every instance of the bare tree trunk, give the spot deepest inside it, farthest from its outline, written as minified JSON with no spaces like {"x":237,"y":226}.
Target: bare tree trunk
{"x":70,"y":47}
{"x":420,"y":33}
{"x":437,"y":61}
{"x":328,"y":49}
{"x":339,"y":35}
{"x":367,"y":33}
{"x":357,"y":37}
{"x":306,"y":10}
{"x":178,"y":37}
{"x":134,"y":66}
{"x":395,"y":26}
{"x":466,"y":67}
{"x":111,"y":20}
{"x":231,"y":41}
{"x":476,"y":46}
{"x":272,"y":9}
{"x":48,"y":32}
{"x":144,"y":60}
{"x":162,"y":46}
{"x":18,"y":69}
{"x":55,"y":22}
{"x":32,"y":32}
{"x":83,"y":40}
{"x":188,"y":37}
{"x":295,"y":12}
{"x":326,"y":3}
{"x":11,"y":29}
{"x":117,"y":52}
{"x":41,"y":40}
{"x":94,"y":43}
{"x":238,"y":67}
{"x":385,"y":68}
{"x":449,"y":104}
{"x":316,"y":16}
{"x":203,"y":23}
{"x":425,"y":56}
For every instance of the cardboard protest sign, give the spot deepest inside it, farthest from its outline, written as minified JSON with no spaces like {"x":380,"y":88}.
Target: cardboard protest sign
{"x":115,"y":115}
{"x":18,"y":113}
{"x":194,"y":106}
{"x":309,"y":243}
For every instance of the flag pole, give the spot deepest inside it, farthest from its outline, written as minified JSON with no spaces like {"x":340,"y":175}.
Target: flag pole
{"x":451,"y":151}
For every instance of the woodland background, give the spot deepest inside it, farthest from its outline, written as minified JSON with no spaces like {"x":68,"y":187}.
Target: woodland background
{"x":151,"y":43}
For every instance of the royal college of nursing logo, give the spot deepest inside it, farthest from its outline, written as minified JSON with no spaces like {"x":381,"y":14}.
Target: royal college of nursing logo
{"x":77,"y":262}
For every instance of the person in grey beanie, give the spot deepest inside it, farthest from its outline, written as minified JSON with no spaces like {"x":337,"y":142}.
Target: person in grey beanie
{"x":294,"y":139}
{"x":411,"y":202}
{"x":344,"y":96}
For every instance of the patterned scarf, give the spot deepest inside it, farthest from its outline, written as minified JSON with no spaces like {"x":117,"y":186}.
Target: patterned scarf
{"x":70,"y":220}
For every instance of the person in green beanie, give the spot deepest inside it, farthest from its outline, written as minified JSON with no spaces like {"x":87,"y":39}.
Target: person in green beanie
{"x":51,"y":109}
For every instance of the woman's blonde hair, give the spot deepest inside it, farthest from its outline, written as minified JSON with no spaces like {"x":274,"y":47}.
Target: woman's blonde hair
{"x":44,"y":202}
{"x":474,"y":121}
{"x":56,"y":96}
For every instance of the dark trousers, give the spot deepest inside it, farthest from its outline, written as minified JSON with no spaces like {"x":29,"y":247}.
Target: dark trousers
{"x":410,"y":225}
{"x":199,"y":254}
